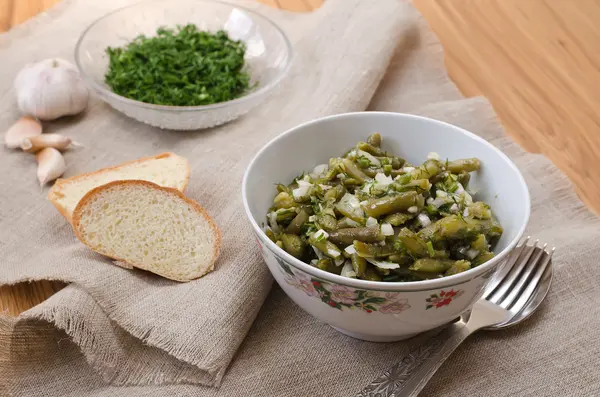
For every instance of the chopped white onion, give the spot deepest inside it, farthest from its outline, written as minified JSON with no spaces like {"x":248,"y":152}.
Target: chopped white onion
{"x":312,"y":218}
{"x":383,"y":180}
{"x":466,"y":212}
{"x":440,"y":193}
{"x":429,"y":200}
{"x":320,"y":169}
{"x":340,"y":176}
{"x":314,"y":262}
{"x":319,"y":234}
{"x":383,"y":264}
{"x":371,"y":222}
{"x":352,"y":223}
{"x":472,"y":253}
{"x":413,"y":209}
{"x":463,"y":250}
{"x":318,"y":252}
{"x":387,"y":229}
{"x":365,"y":202}
{"x":273,"y":222}
{"x":433,"y":156}
{"x":408,"y":169}
{"x":348,"y":271}
{"x":460,"y":189}
{"x":333,"y":253}
{"x":301,"y":192}
{"x":454,"y":208}
{"x":339,"y":261}
{"x":424,"y":220}
{"x":325,"y":187}
{"x":350,"y":249}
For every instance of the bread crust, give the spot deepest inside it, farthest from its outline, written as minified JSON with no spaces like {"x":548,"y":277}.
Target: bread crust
{"x":92,"y":193}
{"x":56,"y":190}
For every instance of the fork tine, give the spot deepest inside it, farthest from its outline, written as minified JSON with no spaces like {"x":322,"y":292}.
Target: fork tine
{"x":513,"y":276}
{"x":506,"y":267}
{"x":523,"y":281}
{"x":533,"y":284}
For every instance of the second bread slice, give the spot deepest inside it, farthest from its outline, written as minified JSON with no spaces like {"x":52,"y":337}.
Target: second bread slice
{"x":149,"y":227}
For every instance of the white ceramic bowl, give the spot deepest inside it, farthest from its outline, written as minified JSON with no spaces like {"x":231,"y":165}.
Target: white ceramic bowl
{"x":268,"y":56}
{"x":380,"y":311}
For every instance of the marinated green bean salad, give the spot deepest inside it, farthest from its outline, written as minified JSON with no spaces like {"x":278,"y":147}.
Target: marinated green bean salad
{"x":372,"y":216}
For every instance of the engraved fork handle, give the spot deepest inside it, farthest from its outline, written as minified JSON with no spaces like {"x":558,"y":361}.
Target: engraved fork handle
{"x":409,"y":376}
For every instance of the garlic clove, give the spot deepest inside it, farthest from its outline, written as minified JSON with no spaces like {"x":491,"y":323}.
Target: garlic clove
{"x":37,"y":143}
{"x":51,"y":89}
{"x":25,"y":127}
{"x":51,"y":165}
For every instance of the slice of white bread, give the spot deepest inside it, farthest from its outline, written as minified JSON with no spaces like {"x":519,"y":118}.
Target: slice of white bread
{"x":166,"y":169}
{"x":149,"y":227}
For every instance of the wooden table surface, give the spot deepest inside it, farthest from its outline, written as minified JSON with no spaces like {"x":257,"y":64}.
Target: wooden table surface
{"x":537,"y":61}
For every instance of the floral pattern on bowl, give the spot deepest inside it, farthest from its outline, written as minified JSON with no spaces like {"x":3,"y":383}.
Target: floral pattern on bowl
{"x":341,"y":296}
{"x":443,"y":298}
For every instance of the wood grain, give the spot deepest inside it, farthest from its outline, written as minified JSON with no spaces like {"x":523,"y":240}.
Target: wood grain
{"x":536,"y":60}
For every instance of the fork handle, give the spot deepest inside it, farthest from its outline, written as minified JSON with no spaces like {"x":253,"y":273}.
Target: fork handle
{"x":410,"y":375}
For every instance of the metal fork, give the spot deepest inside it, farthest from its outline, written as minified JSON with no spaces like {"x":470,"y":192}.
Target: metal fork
{"x":513,"y":295}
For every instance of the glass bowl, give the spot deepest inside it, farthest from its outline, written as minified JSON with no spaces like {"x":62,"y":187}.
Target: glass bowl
{"x":268,"y":56}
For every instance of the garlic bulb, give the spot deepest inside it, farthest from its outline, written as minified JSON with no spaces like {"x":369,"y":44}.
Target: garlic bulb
{"x":51,"y":89}
{"x":51,"y":165}
{"x":25,"y":127}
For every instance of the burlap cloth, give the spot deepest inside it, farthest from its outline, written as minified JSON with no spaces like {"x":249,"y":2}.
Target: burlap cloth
{"x":115,"y":332}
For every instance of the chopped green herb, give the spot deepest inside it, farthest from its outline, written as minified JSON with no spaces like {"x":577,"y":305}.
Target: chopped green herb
{"x":179,"y":67}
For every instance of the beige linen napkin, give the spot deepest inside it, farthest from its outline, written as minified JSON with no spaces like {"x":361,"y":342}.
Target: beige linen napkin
{"x":134,"y":327}
{"x":288,"y":353}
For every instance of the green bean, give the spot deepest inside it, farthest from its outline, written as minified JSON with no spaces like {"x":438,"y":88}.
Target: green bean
{"x":351,"y":182}
{"x":482,"y":258}
{"x":364,"y":234}
{"x":279,"y":244}
{"x":283,"y":188}
{"x":458,"y":267}
{"x":335,"y":193}
{"x":293,"y":244}
{"x":432,"y":265}
{"x":429,"y":169}
{"x":464,"y":178}
{"x":371,"y":172}
{"x":359,"y":265}
{"x":353,"y":171}
{"x":399,"y":218}
{"x":460,"y":228}
{"x":374,"y":140}
{"x":334,"y":169}
{"x":418,"y":185}
{"x":466,"y":165}
{"x":391,"y":204}
{"x":402,"y":259}
{"x":397,"y":162}
{"x":427,"y":232}
{"x":413,"y":244}
{"x":480,"y":243}
{"x":295,"y":226}
{"x":328,"y":265}
{"x":479,"y":210}
{"x":326,"y":222}
{"x":271,"y":235}
{"x":284,"y":200}
{"x":325,"y":246}
{"x":371,"y":274}
{"x":375,"y":251}
{"x":285,"y":214}
{"x":375,"y":151}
